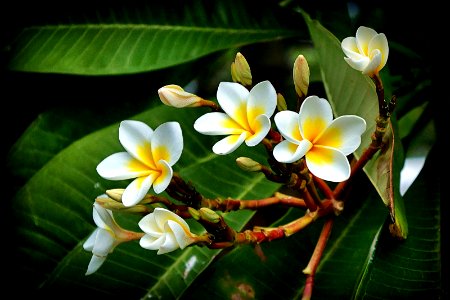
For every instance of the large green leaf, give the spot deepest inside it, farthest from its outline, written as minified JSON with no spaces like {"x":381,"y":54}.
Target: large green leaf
{"x":351,"y":92}
{"x":145,"y":37}
{"x":54,"y":215}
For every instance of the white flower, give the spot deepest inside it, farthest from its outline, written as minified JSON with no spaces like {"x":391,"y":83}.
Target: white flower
{"x":165,"y":231}
{"x":367,"y":52}
{"x":149,"y":158}
{"x":324,"y":142}
{"x":104,"y":238}
{"x":246,"y":118}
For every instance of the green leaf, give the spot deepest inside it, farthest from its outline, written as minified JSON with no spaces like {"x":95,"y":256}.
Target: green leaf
{"x":54,"y":215}
{"x":351,"y":92}
{"x":147,"y":39}
{"x":411,"y":268}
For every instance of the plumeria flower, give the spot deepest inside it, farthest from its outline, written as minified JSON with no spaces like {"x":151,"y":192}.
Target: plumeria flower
{"x":246,"y":118}
{"x":323,"y":142}
{"x":165,"y":231}
{"x":149,"y":158}
{"x":105,"y":237}
{"x":367,"y":52}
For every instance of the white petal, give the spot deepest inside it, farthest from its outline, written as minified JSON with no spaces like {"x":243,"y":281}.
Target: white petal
{"x":287,"y":152}
{"x":350,"y":48}
{"x":164,"y":178}
{"x":287,"y":124}
{"x":229,"y":144}
{"x":149,"y":226}
{"x":95,"y":263}
{"x":137,"y":189}
{"x":170,"y":243}
{"x":328,"y":163}
{"x":151,"y":243}
{"x":363,"y":37}
{"x":380,"y":42}
{"x":261,"y":126}
{"x":104,"y":243}
{"x":102,"y":217}
{"x":262,"y":100}
{"x":231,"y":96}
{"x":167,"y":143}
{"x":163,"y":215}
{"x":344,"y":134}
{"x":120,"y":166}
{"x":135,"y":137}
{"x":374,"y":63}
{"x":88,"y":245}
{"x":314,"y":117}
{"x":217,"y":123}
{"x":358,"y":65}
{"x":182,"y":237}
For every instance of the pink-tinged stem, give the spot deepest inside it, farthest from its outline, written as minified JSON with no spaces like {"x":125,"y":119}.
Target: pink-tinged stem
{"x":311,"y":268}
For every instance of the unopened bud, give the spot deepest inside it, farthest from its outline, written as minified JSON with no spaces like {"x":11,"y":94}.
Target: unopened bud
{"x":112,"y":204}
{"x":281,"y":102}
{"x":301,"y":76}
{"x":174,"y":95}
{"x":240,"y":70}
{"x":248,"y":164}
{"x":194,"y":213}
{"x":115,"y":194}
{"x":209,"y":215}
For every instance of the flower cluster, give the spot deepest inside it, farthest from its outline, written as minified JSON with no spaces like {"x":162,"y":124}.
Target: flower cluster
{"x":302,"y":144}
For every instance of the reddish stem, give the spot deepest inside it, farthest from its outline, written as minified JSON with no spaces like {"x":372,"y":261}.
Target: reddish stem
{"x":311,"y":268}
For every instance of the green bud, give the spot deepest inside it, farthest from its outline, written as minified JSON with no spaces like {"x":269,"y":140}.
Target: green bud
{"x":240,"y":70}
{"x":209,"y":215}
{"x":194,"y":213}
{"x":281,"y":102}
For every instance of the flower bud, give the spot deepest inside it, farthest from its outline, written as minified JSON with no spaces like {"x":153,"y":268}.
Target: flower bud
{"x":301,"y":76}
{"x":281,"y":102}
{"x":174,"y":95}
{"x":240,"y":70}
{"x":194,"y":213}
{"x":209,"y":215}
{"x":248,"y":164}
{"x":114,"y":205}
{"x":115,"y":194}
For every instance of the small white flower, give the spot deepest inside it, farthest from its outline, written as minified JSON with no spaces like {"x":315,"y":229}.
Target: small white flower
{"x":149,"y":158}
{"x":165,"y":231}
{"x":367,"y":52}
{"x":246,"y":118}
{"x":324,"y":142}
{"x":104,"y":238}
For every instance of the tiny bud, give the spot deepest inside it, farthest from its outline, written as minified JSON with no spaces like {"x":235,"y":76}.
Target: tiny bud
{"x":240,"y":70}
{"x":209,"y":215}
{"x":301,"y":76}
{"x":248,"y":164}
{"x":115,"y":194}
{"x":194,"y":213}
{"x":174,"y":95}
{"x":112,"y":204}
{"x":281,"y":102}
